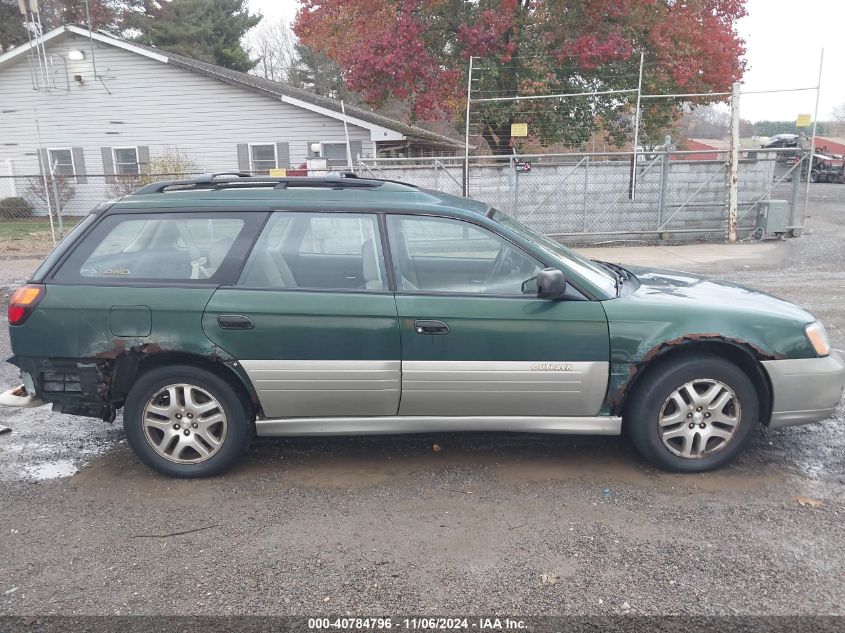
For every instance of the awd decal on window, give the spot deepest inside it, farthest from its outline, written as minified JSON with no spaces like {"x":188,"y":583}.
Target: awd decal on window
{"x":117,"y":271}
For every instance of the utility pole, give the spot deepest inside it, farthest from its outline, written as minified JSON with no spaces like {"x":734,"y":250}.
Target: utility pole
{"x":466,"y":134}
{"x":637,"y":128}
{"x":796,"y":231}
{"x":733,"y":165}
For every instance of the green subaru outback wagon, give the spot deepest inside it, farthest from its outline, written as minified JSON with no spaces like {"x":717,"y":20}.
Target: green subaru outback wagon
{"x":215,"y":309}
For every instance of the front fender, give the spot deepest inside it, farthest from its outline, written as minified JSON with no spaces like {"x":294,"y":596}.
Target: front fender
{"x":641,"y":332}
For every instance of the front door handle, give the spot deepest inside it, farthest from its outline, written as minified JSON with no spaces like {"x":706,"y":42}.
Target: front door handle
{"x":234,"y":322}
{"x":430,"y":327}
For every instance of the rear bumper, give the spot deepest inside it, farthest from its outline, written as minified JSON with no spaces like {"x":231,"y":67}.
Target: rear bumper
{"x":805,"y":389}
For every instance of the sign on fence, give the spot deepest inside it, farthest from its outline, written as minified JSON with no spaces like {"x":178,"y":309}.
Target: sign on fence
{"x":519,"y":129}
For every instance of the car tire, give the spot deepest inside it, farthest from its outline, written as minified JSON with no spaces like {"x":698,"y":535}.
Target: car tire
{"x":208,"y":424}
{"x":671,"y":423}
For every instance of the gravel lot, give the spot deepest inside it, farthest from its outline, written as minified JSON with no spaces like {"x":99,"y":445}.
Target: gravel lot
{"x":494,"y":523}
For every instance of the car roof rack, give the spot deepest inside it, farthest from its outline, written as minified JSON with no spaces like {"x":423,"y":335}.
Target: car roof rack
{"x":239,"y":179}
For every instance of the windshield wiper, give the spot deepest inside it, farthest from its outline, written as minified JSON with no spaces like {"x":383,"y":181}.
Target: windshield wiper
{"x":619,"y":274}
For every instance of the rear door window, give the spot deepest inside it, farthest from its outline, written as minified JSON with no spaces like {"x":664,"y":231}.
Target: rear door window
{"x":168,"y":247}
{"x":324,"y":251}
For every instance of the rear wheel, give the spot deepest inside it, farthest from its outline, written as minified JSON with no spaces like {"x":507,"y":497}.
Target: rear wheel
{"x":692,"y":414}
{"x":184,"y":421}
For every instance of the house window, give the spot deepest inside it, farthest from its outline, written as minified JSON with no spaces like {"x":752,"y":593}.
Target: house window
{"x":262,"y":158}
{"x":335,"y":154}
{"x":126,"y":161}
{"x":61,"y":162}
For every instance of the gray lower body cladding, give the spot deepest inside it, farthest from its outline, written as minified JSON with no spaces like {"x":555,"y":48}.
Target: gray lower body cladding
{"x":397,"y":424}
{"x":350,"y":388}
{"x":502,"y":388}
{"x":300,"y":388}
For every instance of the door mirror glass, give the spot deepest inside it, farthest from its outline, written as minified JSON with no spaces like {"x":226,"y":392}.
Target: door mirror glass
{"x":551,"y":284}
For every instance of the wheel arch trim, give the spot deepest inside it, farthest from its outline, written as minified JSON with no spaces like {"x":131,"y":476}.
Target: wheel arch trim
{"x":128,"y":367}
{"x":745,"y":355}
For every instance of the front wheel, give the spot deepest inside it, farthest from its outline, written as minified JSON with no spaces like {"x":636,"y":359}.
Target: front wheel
{"x":692,"y":414}
{"x":184,"y":421}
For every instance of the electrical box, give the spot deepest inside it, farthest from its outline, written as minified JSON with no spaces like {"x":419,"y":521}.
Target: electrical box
{"x":773,"y":216}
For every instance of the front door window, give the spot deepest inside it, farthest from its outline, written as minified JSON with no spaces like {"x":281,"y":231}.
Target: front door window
{"x":447,"y":255}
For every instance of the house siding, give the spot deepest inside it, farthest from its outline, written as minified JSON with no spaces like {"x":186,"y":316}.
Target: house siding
{"x":148,"y":104}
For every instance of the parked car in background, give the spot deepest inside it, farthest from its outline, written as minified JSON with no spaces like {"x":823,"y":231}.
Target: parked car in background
{"x":222,"y":307}
{"x":782,"y":140}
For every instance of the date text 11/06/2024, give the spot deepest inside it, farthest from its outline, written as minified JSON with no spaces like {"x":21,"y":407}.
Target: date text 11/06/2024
{"x":418,"y":624}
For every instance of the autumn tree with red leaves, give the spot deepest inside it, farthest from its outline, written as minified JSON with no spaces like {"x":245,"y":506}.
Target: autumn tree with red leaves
{"x":418,"y":51}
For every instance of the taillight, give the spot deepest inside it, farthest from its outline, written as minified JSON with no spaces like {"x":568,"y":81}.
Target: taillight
{"x":23,"y":302}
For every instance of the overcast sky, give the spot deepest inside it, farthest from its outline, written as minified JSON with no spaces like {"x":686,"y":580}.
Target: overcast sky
{"x":784,"y":39}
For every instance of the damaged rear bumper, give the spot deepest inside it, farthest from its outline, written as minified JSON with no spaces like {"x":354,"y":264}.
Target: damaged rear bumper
{"x":805,"y":389}
{"x":72,"y":386}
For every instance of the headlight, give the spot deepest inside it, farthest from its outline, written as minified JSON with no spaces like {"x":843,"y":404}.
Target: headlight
{"x":818,"y":338}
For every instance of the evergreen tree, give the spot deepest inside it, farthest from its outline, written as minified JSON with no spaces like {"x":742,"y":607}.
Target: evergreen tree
{"x":208,"y":30}
{"x":12,"y":32}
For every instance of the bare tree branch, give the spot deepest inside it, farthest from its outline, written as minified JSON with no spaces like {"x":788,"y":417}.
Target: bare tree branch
{"x":275,"y":46}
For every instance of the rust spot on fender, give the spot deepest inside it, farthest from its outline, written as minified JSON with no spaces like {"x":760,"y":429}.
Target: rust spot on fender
{"x":120,"y":348}
{"x":656,"y":351}
{"x":759,"y":352}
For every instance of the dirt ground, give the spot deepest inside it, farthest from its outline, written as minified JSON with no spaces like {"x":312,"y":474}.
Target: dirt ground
{"x":491,"y":523}
{"x":29,"y":238}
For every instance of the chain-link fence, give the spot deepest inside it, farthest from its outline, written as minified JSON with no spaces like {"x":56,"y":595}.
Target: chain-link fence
{"x":588,"y":197}
{"x":36,"y":209}
{"x":668,"y":195}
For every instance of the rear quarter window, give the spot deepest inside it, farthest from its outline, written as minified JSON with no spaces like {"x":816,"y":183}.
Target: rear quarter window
{"x":178,"y":247}
{"x":62,"y":247}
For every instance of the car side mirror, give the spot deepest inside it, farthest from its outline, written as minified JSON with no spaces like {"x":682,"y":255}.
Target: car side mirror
{"x":551,"y":284}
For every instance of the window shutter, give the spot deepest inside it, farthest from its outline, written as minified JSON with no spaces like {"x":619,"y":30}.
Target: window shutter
{"x":108,"y":164}
{"x":282,"y":155}
{"x":45,"y":162}
{"x":79,"y":165}
{"x":243,"y":157}
{"x":143,"y":159}
{"x":356,"y":148}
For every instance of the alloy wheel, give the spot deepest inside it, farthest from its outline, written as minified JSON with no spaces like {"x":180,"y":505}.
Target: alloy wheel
{"x":184,"y":423}
{"x":699,"y":418}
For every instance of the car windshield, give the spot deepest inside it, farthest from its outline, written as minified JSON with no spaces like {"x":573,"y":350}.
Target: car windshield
{"x":590,"y":270}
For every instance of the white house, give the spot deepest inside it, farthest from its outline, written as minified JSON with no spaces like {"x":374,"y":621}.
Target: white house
{"x":92,"y":107}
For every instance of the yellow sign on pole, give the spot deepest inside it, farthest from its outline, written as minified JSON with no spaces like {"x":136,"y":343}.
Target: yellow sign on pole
{"x":804,"y":120}
{"x":280,"y":173}
{"x":519,"y":129}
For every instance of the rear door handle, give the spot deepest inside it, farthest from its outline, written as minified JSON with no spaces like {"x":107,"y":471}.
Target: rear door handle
{"x":430,"y":327}
{"x":234,"y":322}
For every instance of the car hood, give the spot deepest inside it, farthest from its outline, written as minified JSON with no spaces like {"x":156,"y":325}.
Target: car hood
{"x":682,"y":287}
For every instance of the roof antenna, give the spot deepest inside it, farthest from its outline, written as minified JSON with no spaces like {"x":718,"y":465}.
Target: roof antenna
{"x":346,"y":133}
{"x":32,"y":24}
{"x":97,"y":75}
